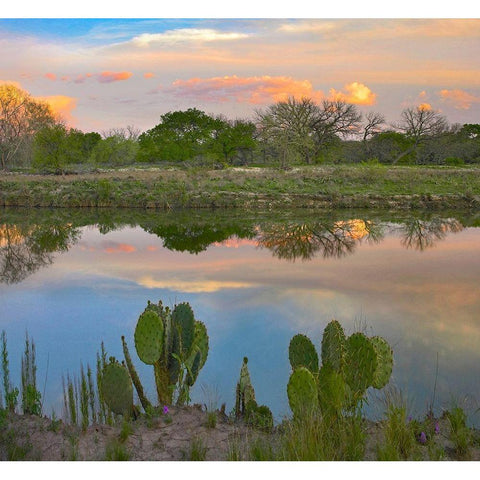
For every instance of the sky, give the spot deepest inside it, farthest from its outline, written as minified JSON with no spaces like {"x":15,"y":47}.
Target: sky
{"x":108,"y":73}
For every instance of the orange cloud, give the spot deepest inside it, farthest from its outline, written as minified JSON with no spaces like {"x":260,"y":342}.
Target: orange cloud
{"x":254,"y":90}
{"x":148,"y":75}
{"x":356,"y":93}
{"x":51,"y":76}
{"x":460,"y":99}
{"x":62,"y":106}
{"x":120,"y":248}
{"x":109,"y":77}
{"x":424,"y":106}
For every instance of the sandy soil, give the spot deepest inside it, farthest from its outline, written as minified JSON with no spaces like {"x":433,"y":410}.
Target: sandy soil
{"x":166,"y":438}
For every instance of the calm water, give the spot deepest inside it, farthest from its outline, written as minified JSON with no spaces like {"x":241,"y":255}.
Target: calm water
{"x":74,"y":279}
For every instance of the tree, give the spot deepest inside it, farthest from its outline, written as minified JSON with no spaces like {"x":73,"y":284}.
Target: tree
{"x":232,"y":137}
{"x":49,"y":148}
{"x":419,"y":124}
{"x":20,"y":118}
{"x":180,"y":135}
{"x":336,"y":119}
{"x":287,"y":127}
{"x":114,"y":150}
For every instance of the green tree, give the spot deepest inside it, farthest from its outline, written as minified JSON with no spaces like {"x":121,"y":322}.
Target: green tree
{"x":114,"y":150}
{"x":21,"y":117}
{"x":49,"y":148}
{"x":181,"y":135}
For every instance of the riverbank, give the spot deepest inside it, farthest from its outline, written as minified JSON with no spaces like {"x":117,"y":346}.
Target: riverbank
{"x":359,"y":186}
{"x":187,"y":433}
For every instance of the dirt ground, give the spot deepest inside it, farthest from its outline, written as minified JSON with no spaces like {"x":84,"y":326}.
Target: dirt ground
{"x":182,"y":434}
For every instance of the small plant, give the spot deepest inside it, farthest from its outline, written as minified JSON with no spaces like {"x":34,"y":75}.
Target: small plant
{"x":31,"y":397}
{"x":116,"y":451}
{"x":55,"y":423}
{"x":211,"y":419}
{"x":197,"y":451}
{"x":125,"y":431}
{"x":460,"y":435}
{"x":10,"y":393}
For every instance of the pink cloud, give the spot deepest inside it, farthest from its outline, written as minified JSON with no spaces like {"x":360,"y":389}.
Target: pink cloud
{"x":114,"y":247}
{"x":104,"y":77}
{"x":109,"y":77}
{"x":460,"y":99}
{"x":51,"y":76}
{"x":148,"y":75}
{"x":264,"y":89}
{"x":253,"y":90}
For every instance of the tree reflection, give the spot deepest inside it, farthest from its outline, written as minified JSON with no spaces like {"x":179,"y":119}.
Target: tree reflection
{"x":293,"y":241}
{"x":421,"y":234}
{"x":24,"y":250}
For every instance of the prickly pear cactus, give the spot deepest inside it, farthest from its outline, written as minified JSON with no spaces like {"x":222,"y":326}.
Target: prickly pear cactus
{"x":302,"y":353}
{"x":183,"y":319}
{"x":361,"y":363}
{"x":149,"y":337}
{"x":117,"y":388}
{"x":384,"y":368}
{"x":302,"y":392}
{"x":334,"y":346}
{"x":332,"y":390}
{"x":175,"y":344}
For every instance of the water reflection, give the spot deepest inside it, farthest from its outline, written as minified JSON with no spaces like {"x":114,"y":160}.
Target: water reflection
{"x":27,"y":243}
{"x":255,"y":279}
{"x":25,"y":249}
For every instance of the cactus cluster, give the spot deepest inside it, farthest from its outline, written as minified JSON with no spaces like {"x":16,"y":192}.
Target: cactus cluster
{"x":259,"y":416}
{"x":174,"y":343}
{"x":349,"y":366}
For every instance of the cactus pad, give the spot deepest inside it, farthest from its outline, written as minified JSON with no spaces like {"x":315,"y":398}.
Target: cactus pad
{"x":302,"y":392}
{"x":117,"y":388}
{"x":333,"y":346}
{"x":361,"y":363}
{"x":332,"y":391}
{"x":182,"y":317}
{"x":384,"y":362}
{"x":149,"y":337}
{"x":302,"y":353}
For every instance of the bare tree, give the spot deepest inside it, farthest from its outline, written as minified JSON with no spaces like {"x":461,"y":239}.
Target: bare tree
{"x":373,"y":125}
{"x":335,"y":118}
{"x":288,"y":126}
{"x":129,"y":132}
{"x":20,"y":118}
{"x":419,"y":124}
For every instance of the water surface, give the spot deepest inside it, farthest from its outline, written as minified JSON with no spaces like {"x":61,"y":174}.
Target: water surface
{"x":76,"y":278}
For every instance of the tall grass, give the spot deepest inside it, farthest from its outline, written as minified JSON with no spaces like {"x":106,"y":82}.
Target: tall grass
{"x":31,"y":397}
{"x":10,"y":393}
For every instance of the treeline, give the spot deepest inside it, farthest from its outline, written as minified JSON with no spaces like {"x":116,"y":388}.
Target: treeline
{"x":285,"y":133}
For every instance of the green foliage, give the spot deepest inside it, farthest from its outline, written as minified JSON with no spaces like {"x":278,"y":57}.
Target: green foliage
{"x":10,"y":393}
{"x":31,"y":397}
{"x":454,"y":161}
{"x":349,"y":366}
{"x":114,"y":150}
{"x":116,"y":451}
{"x":197,"y":451}
{"x":460,"y":434}
{"x":245,"y":393}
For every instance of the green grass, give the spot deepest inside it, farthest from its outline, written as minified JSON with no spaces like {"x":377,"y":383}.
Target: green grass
{"x":341,"y":185}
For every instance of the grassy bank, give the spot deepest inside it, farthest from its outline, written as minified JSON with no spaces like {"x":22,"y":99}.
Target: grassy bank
{"x":309,"y":187}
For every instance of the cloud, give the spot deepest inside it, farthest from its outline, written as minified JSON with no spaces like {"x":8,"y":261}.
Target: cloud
{"x":460,"y":99}
{"x":193,"y":35}
{"x":113,"y":247}
{"x":62,"y":106}
{"x":425,"y":106}
{"x":253,"y":90}
{"x":356,"y":93}
{"x":104,"y":77}
{"x":148,"y":75}
{"x":51,"y":76}
{"x":109,"y":77}
{"x":194,"y":286}
{"x":264,"y":89}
